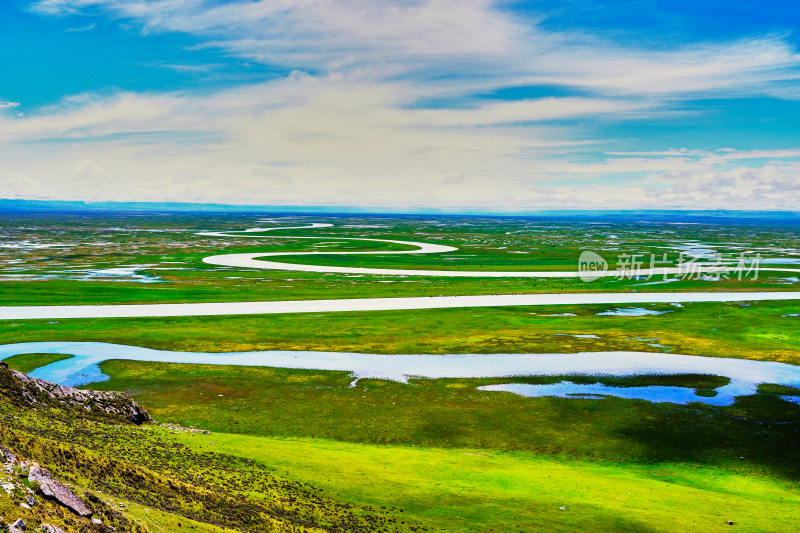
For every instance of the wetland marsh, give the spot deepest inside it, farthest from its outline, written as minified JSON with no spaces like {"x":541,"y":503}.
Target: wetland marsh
{"x":625,"y":375}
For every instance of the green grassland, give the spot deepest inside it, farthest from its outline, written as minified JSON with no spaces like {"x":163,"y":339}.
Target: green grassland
{"x":295,"y":450}
{"x":163,"y":480}
{"x":248,"y":285}
{"x":163,"y":483}
{"x":29,"y":362}
{"x":452,"y":413}
{"x":120,"y":513}
{"x":169,"y":252}
{"x":433,"y":454}
{"x":487,"y":490}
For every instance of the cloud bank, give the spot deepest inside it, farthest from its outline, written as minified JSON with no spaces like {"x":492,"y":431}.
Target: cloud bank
{"x":406,"y":104}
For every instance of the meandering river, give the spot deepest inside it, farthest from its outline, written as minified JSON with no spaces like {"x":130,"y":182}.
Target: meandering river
{"x":745,"y":375}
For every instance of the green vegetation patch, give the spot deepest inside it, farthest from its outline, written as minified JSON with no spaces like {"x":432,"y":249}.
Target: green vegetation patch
{"x":169,"y":252}
{"x":778,"y":390}
{"x":145,"y":466}
{"x":28,"y":362}
{"x":451,"y":413}
{"x":487,"y":490}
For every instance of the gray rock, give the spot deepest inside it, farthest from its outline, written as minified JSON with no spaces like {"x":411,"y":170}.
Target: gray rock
{"x":18,"y":526}
{"x":40,"y":393}
{"x":57,"y":491}
{"x":49,"y":528}
{"x":30,"y":500}
{"x":6,"y":455}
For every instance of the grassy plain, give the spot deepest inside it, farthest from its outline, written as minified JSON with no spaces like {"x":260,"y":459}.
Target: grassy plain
{"x":163,"y":485}
{"x":60,"y":260}
{"x":757,"y":431}
{"x":167,"y":481}
{"x":28,"y":362}
{"x":488,"y":490}
{"x":314,"y":452}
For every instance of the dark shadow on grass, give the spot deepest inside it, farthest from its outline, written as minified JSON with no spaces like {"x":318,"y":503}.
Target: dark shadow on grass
{"x":757,"y":431}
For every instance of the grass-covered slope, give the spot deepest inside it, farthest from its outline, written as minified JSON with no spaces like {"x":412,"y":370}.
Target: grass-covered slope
{"x":756,"y":435}
{"x":457,"y":459}
{"x":105,"y":458}
{"x":469,"y":490}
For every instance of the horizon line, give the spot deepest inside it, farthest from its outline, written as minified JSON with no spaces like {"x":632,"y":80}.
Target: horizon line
{"x":20,"y":204}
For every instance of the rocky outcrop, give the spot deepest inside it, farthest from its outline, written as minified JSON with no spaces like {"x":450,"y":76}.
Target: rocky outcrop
{"x":175,"y":428}
{"x":49,"y":528}
{"x":34,"y":392}
{"x":6,"y":455}
{"x":57,"y":491}
{"x":48,"y":485}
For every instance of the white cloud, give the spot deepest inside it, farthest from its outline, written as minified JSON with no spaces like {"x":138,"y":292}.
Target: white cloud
{"x":669,"y":163}
{"x":78,"y":29}
{"x":727,"y":154}
{"x":86,"y":168}
{"x":531,"y":110}
{"x":747,"y":66}
{"x":305,"y":33}
{"x":476,"y":41}
{"x":8,"y":105}
{"x":348,"y":125}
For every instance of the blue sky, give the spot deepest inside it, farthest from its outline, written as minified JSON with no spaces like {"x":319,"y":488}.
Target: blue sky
{"x":469,"y":104}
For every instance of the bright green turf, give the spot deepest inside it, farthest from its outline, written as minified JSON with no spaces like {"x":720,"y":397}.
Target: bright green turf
{"x":479,"y":490}
{"x":116,"y":461}
{"x":158,"y":521}
{"x":452,"y":413}
{"x":250,"y":285}
{"x":28,"y":362}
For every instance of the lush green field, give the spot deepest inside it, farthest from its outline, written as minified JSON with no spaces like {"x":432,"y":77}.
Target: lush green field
{"x":235,"y":286}
{"x":760,"y":431}
{"x":163,"y":485}
{"x":59,"y":260}
{"x":487,"y":490}
{"x":31,"y":361}
{"x":302,"y":448}
{"x":612,"y":465}
{"x":168,"y":481}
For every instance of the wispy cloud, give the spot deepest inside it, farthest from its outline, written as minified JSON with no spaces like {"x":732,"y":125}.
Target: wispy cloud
{"x":88,"y":27}
{"x":721,"y":154}
{"x":8,"y":105}
{"x":476,"y":40}
{"x":356,"y":110}
{"x":191,"y":69}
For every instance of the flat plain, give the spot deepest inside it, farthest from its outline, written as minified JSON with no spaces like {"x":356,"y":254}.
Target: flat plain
{"x":435,"y":454}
